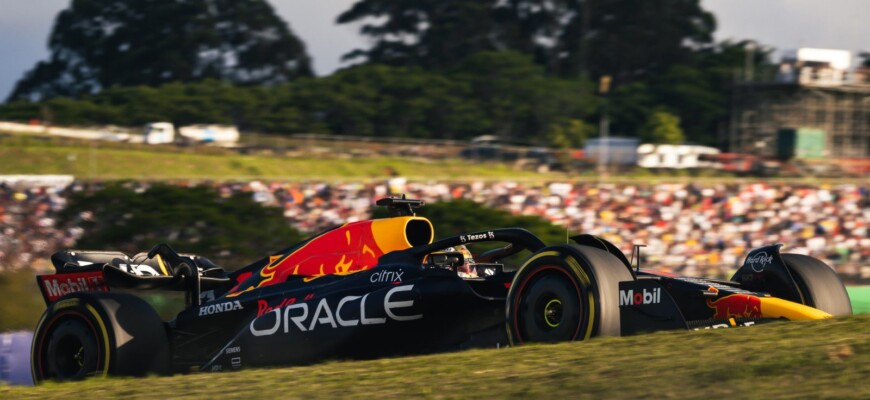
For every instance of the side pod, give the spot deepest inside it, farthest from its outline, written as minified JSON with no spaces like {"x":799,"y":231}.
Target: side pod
{"x":645,"y":306}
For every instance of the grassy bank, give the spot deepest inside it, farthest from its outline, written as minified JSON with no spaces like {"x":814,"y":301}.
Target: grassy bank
{"x":160,"y":163}
{"x":35,"y":154}
{"x":798,"y":359}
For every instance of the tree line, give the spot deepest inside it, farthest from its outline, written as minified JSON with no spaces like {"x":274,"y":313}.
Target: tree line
{"x":527,"y":71}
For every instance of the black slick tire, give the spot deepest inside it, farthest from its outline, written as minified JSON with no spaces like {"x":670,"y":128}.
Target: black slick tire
{"x":98,"y":334}
{"x":565,"y":293}
{"x":818,"y":284}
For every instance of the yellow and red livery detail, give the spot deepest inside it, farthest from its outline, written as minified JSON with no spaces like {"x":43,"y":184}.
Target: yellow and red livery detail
{"x":772,"y":307}
{"x":736,"y":305}
{"x":345,"y":250}
{"x":749,"y":306}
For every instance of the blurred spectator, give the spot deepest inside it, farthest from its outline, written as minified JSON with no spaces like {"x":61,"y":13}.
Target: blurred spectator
{"x":28,"y":234}
{"x":688,"y":228}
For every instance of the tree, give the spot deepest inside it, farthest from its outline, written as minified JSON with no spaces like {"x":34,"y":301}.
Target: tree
{"x":663,"y":127}
{"x":441,"y":33}
{"x":96,"y":44}
{"x":632,"y":40}
{"x":518,"y":98}
{"x":688,"y":91}
{"x":569,"y":134}
{"x":233,"y":230}
{"x":492,"y":92}
{"x":629,"y":107}
{"x":699,"y":91}
{"x":627,"y":39}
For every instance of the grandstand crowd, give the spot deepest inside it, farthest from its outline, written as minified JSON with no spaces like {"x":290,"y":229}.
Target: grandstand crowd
{"x":702,"y":230}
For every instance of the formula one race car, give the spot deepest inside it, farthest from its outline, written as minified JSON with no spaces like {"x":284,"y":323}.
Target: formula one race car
{"x":383,"y":287}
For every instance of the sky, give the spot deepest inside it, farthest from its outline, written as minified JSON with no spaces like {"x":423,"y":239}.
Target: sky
{"x":781,"y":24}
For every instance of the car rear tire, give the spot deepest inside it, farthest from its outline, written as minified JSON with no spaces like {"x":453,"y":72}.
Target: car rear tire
{"x":818,"y":284}
{"x":564,"y":293}
{"x":98,"y":334}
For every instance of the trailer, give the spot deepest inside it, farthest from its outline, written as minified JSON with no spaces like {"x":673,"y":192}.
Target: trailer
{"x":165,"y":132}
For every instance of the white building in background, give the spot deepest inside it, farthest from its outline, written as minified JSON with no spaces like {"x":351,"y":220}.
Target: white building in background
{"x":808,"y":66}
{"x":675,"y":156}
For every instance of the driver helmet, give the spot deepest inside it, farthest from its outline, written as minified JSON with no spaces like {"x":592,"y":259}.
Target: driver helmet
{"x":467,"y":270}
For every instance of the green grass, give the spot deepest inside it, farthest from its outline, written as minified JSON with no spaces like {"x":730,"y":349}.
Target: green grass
{"x":792,"y":359}
{"x":29,"y":155}
{"x":860,"y":296}
{"x":37,"y":154}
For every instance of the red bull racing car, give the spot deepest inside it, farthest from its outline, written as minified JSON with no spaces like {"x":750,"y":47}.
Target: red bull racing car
{"x":384,"y":287}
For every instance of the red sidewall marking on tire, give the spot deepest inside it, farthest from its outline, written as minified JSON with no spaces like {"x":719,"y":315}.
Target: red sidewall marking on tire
{"x":523,"y":285}
{"x":47,"y":331}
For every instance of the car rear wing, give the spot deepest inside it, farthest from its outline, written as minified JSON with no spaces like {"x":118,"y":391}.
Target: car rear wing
{"x":159,"y":269}
{"x":55,"y":286}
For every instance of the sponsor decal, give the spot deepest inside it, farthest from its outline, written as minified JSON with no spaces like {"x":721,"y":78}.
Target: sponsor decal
{"x":386,"y":276}
{"x":264,"y":307}
{"x":476,"y":236}
{"x":236,"y":362}
{"x":299,"y":316}
{"x":140,"y":270}
{"x":216,"y":368}
{"x":630,"y":297}
{"x":759,"y":260}
{"x":220,"y":307}
{"x":736,"y":305}
{"x":234,"y":350}
{"x":719,"y":326}
{"x":59,"y":285}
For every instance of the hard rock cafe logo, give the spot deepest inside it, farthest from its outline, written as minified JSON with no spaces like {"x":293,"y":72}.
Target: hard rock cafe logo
{"x":759,"y":260}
